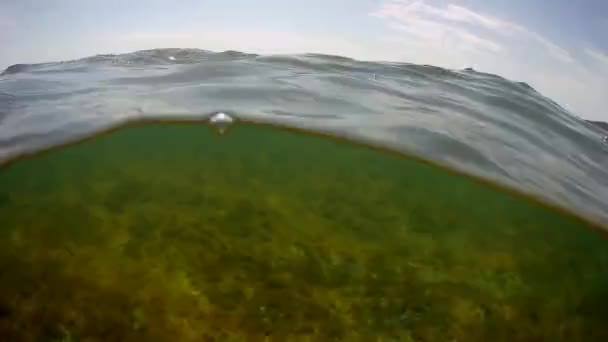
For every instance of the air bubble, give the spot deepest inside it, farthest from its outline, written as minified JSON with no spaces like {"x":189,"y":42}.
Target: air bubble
{"x":221,"y":122}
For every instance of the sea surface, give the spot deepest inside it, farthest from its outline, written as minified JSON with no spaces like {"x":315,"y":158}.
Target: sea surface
{"x":476,"y":122}
{"x":185,"y":195}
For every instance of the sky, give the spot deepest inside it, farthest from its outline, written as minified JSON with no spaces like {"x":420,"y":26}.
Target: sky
{"x":559,"y":47}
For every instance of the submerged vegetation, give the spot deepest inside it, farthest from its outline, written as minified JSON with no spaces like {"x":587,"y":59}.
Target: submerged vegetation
{"x":167,"y":232}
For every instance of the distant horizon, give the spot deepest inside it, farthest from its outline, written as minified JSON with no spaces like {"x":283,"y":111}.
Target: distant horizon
{"x":3,"y":69}
{"x":556,"y":48}
{"x":249,"y":52}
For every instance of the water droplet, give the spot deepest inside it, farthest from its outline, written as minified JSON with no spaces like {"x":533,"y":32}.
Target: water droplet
{"x":605,"y":139}
{"x":171,"y":58}
{"x":221,"y":121}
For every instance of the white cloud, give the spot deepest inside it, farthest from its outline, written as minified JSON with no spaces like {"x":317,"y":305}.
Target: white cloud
{"x":556,"y":51}
{"x":459,"y":13}
{"x":454,"y":36}
{"x":598,"y":57}
{"x":420,"y":20}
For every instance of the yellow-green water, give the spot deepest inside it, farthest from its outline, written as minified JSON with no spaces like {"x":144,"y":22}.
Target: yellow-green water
{"x":169,"y":232}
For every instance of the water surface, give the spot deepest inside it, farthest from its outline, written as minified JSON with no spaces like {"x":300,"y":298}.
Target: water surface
{"x":480,"y":123}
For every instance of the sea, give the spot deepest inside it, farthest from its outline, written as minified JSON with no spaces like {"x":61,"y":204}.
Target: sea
{"x":479,"y":123}
{"x":191,"y":195}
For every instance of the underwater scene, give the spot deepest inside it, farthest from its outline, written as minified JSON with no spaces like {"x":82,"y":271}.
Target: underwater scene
{"x":168,"y":231}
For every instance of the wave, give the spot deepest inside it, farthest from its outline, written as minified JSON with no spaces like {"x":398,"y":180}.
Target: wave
{"x":479,"y":123}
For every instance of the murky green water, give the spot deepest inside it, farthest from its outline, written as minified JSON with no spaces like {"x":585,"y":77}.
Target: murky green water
{"x":169,"y":232}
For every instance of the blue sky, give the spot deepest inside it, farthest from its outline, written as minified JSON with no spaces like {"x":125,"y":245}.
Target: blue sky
{"x":560,"y":47}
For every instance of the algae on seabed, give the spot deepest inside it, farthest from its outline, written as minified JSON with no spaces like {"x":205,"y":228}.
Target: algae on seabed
{"x":167,"y":232}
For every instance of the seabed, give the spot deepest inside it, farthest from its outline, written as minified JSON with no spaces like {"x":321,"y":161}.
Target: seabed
{"x":170,"y":232}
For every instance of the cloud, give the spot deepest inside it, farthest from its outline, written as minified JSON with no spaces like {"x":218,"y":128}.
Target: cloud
{"x":436,"y":26}
{"x":459,"y":13}
{"x":555,"y":51}
{"x":454,"y":36}
{"x":598,"y":57}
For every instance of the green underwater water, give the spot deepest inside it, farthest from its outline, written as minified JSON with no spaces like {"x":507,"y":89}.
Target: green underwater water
{"x":170,"y":232}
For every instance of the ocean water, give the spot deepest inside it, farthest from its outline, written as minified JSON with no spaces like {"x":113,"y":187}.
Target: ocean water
{"x":479,"y":123}
{"x":348,"y":201}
